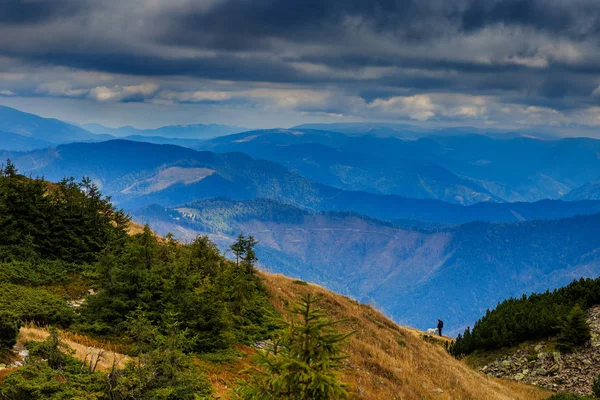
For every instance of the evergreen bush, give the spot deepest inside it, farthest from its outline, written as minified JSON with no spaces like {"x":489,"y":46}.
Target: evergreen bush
{"x":574,"y":330}
{"x":303,"y":360}
{"x":9,"y":329}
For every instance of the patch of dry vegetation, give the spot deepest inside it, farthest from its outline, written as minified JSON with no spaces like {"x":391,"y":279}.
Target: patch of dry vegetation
{"x":85,"y":348}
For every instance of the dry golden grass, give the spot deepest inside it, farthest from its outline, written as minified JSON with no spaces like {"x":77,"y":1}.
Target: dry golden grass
{"x":84,"y":347}
{"x":133,"y":228}
{"x":390,"y":362}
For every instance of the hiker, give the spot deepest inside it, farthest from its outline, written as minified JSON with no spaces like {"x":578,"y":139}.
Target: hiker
{"x":440,"y":326}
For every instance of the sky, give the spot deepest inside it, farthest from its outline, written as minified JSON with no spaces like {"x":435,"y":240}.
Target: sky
{"x":507,"y":64}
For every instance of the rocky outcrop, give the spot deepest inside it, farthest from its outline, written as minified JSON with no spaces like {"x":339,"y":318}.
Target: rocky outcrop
{"x":540,"y":365}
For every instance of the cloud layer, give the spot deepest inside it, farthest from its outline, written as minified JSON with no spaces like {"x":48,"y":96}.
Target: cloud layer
{"x":492,"y":62}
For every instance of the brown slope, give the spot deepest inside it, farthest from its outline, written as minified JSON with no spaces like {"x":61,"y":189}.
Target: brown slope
{"x":385,"y":361}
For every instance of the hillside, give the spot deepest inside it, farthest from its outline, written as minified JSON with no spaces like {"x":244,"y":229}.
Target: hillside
{"x":148,"y":317}
{"x":137,"y":174}
{"x":471,"y":267}
{"x":16,"y":142}
{"x":392,"y":362}
{"x":40,"y":131}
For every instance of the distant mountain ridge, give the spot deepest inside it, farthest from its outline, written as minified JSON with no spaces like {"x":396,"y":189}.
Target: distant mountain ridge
{"x":508,"y":169}
{"x":590,"y":191}
{"x":138,"y":174}
{"x":41,"y":130}
{"x":414,"y":275}
{"x":313,"y":154}
{"x":192,"y":131}
{"x":21,"y":131}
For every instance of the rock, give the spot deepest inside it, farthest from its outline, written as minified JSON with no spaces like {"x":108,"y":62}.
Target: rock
{"x":574,"y":372}
{"x":519,"y":377}
{"x":18,"y":364}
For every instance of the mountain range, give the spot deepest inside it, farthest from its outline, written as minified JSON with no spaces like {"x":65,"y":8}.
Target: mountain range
{"x":193,"y":131}
{"x":463,"y":169}
{"x":21,"y":131}
{"x":137,"y":174}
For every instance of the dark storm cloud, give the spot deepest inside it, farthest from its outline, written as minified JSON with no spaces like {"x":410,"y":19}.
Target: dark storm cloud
{"x":528,"y":52}
{"x":577,"y":19}
{"x":38,"y":11}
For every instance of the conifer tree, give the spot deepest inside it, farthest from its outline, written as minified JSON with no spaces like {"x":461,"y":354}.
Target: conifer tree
{"x":303,"y":361}
{"x":249,"y":258}
{"x":238,"y":248}
{"x":574,"y":330}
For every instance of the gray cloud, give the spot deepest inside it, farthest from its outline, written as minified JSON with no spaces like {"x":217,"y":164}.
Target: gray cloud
{"x":393,"y":59}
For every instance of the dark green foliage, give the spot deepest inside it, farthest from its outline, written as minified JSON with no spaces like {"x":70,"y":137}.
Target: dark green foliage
{"x":9,"y":329}
{"x":218,"y":302}
{"x":303,"y":360}
{"x":52,"y":373}
{"x":52,"y":350}
{"x":37,"y":381}
{"x":67,"y":221}
{"x":243,"y":249}
{"x":527,"y":318}
{"x":36,"y":273}
{"x":574,"y":330}
{"x":596,"y":387}
{"x":162,"y":370}
{"x":35,"y":304}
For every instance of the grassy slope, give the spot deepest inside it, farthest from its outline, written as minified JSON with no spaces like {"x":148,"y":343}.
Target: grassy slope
{"x":381,"y":367}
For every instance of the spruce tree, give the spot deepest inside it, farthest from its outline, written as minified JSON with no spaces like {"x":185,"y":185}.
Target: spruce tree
{"x":574,"y":330}
{"x":239,"y":248}
{"x":303,"y":361}
{"x":249,"y":258}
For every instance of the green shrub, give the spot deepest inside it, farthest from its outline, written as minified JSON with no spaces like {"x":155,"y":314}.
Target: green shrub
{"x":596,"y":387}
{"x":303,"y":360}
{"x":35,"y":304}
{"x":9,"y":329}
{"x":574,"y":330}
{"x":36,"y":273}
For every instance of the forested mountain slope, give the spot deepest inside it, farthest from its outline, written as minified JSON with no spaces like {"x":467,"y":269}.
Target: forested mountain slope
{"x":414,"y":275}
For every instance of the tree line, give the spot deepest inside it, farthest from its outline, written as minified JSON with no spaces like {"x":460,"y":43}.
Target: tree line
{"x":537,"y":316}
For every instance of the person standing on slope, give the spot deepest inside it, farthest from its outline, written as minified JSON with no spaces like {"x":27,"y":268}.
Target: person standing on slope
{"x":440,"y":326}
